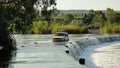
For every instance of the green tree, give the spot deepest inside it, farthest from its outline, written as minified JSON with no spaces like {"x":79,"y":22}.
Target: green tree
{"x":111,"y":15}
{"x":6,"y":15}
{"x":99,"y":18}
{"x":118,"y":18}
{"x":76,"y":22}
{"x":39,"y":27}
{"x":68,"y":18}
{"x":89,"y":17}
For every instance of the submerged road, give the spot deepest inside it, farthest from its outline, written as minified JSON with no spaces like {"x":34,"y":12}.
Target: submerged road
{"x":39,"y":52}
{"x":44,"y":57}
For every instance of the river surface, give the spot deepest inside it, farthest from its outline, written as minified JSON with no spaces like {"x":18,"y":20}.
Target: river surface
{"x":38,"y":51}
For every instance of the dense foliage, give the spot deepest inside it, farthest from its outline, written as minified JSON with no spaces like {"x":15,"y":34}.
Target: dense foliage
{"x":19,"y":16}
{"x":25,"y":16}
{"x":105,"y":22}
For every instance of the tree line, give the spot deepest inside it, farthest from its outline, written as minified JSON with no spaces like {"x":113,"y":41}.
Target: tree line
{"x":23,"y":16}
{"x":107,"y":22}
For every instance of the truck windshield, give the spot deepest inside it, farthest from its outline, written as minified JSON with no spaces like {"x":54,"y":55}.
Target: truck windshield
{"x":61,"y":34}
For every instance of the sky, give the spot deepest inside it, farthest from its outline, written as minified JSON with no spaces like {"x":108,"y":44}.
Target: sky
{"x":88,"y":4}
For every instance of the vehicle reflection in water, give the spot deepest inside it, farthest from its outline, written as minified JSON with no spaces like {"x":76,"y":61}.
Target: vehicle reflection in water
{"x":6,"y":58}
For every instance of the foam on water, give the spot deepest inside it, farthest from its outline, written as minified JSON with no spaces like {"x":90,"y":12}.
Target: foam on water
{"x":107,"y":56}
{"x":93,"y":49}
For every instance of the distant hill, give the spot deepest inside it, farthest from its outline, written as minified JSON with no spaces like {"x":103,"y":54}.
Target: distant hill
{"x":77,"y":11}
{"x":74,"y":11}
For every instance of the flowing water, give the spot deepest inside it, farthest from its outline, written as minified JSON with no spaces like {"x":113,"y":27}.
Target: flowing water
{"x":38,"y":51}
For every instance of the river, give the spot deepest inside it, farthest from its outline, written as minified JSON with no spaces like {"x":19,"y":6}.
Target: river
{"x":38,"y":51}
